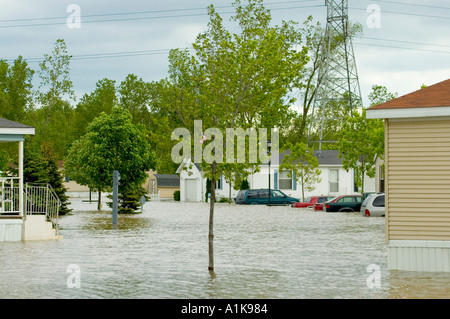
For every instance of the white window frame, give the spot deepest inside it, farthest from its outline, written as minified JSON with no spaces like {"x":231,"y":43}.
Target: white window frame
{"x":330,"y":183}
{"x":280,"y":178}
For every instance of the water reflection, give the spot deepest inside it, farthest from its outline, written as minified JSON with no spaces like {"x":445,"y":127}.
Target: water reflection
{"x":260,"y":252}
{"x":418,"y":285}
{"x":102,"y":221}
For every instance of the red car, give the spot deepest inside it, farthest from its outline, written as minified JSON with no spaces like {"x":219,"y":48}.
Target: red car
{"x":319,"y":205}
{"x":310,"y":201}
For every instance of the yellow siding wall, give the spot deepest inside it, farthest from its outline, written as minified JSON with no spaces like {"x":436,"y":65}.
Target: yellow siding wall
{"x":418,"y":179}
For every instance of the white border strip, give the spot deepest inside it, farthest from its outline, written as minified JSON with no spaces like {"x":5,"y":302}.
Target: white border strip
{"x":410,"y":112}
{"x":420,"y":243}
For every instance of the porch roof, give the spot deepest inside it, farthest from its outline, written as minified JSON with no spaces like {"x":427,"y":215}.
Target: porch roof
{"x":11,"y":131}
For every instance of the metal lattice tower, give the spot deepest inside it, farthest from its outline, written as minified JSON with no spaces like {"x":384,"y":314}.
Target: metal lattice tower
{"x":339,"y":92}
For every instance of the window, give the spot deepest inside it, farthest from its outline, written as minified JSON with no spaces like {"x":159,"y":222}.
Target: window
{"x":379,"y":201}
{"x":264,"y":194}
{"x":219,"y":183}
{"x":252,"y":194}
{"x":324,"y":199}
{"x":277,"y":194}
{"x":346,"y":200}
{"x":284,"y":181}
{"x":333,"y":179}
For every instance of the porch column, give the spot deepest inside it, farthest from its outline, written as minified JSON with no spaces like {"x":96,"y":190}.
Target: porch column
{"x":21,"y":211}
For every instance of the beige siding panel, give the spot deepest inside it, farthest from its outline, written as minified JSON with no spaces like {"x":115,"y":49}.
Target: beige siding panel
{"x":418,"y":183}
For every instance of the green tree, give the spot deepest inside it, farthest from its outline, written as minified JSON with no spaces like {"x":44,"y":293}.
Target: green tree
{"x":135,"y":96}
{"x":92,"y":105}
{"x":15,"y":98}
{"x":360,"y":143}
{"x":112,"y":142}
{"x":52,"y":117}
{"x":15,"y":89}
{"x":239,"y":80}
{"x":301,"y":161}
{"x":380,"y":94}
{"x":40,"y":167}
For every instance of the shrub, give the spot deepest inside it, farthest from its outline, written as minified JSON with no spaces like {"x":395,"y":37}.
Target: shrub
{"x":176,"y":195}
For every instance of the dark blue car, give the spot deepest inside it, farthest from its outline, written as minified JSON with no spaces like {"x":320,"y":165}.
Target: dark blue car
{"x":261,"y":197}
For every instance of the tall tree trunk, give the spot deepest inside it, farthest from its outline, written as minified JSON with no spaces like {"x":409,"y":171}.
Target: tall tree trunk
{"x":211,"y":218}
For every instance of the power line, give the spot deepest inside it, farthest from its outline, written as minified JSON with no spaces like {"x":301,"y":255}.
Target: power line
{"x":402,"y":41}
{"x":397,"y":47}
{"x":406,"y":13}
{"x":144,"y":12}
{"x":414,"y":4}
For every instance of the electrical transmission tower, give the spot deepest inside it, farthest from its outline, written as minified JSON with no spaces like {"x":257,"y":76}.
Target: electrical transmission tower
{"x":338,"y":91}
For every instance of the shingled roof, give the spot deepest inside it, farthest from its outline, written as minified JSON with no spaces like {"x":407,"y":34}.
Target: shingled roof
{"x":436,"y":95}
{"x":4,"y":123}
{"x":168,"y":180}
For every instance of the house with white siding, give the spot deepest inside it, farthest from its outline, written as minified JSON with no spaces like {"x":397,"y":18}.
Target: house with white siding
{"x":417,"y":178}
{"x":335,"y":180}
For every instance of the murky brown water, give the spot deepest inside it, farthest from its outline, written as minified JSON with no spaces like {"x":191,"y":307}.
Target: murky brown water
{"x":260,"y":252}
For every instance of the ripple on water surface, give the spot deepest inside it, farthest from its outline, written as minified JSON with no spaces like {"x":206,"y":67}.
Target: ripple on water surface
{"x":260,"y":252}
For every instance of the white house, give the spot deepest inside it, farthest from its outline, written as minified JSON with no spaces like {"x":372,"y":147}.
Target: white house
{"x":335,"y":180}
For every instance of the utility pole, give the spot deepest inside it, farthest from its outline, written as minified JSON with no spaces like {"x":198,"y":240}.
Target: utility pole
{"x":339,"y":93}
{"x":116,"y":179}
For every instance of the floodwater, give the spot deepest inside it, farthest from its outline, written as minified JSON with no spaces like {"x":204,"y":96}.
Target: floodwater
{"x":260,"y":252}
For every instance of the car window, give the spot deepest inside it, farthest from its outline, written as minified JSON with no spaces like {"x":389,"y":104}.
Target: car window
{"x":264,"y":194}
{"x":309,"y":200}
{"x":358,"y":199}
{"x":346,"y":200}
{"x":240,"y":195}
{"x":277,"y":194}
{"x":365,"y":201}
{"x":322,"y":199}
{"x":252,"y":194}
{"x":379,"y":201}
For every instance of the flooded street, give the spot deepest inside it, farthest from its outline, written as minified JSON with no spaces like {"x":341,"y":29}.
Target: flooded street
{"x":260,"y":252}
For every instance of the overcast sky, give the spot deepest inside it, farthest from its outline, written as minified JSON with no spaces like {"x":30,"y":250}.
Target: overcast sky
{"x":409,"y":47}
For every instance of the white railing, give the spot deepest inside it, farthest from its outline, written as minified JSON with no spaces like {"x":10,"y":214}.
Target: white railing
{"x":155,"y":197}
{"x":41,"y":199}
{"x":9,"y":196}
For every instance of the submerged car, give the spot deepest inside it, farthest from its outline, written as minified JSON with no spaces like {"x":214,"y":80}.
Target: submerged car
{"x":261,"y":197}
{"x":344,"y":203}
{"x":373,"y":206}
{"x":310,"y":201}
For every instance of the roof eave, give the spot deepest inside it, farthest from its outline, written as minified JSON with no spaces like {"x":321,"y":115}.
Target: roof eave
{"x":404,"y":112}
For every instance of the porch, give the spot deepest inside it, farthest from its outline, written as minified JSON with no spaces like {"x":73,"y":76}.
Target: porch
{"x":40,"y":207}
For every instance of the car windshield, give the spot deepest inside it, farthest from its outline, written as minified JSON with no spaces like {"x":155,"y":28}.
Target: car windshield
{"x":332,"y":199}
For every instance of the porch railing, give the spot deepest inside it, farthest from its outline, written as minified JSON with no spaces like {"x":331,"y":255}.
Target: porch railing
{"x":9,"y":196}
{"x":39,"y":199}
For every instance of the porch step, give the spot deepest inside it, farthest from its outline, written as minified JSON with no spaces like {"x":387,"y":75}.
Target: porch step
{"x":38,"y":228}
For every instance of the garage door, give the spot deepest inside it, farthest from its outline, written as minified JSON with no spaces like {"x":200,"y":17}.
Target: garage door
{"x":191,"y":190}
